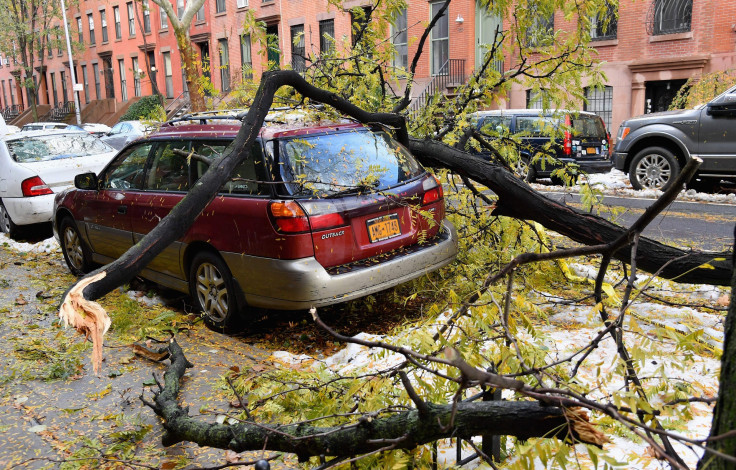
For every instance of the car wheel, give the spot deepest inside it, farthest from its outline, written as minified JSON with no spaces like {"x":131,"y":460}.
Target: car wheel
{"x":212,"y":287}
{"x":653,"y":168}
{"x":525,"y":171}
{"x":6,"y":223}
{"x":76,"y":254}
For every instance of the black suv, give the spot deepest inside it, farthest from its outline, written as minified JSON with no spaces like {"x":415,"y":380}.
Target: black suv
{"x":576,"y":137}
{"x":653,"y":148}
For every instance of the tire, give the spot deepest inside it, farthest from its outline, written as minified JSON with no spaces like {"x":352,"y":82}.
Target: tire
{"x":525,"y":171}
{"x":76,"y":253}
{"x":213,"y":290}
{"x":6,"y":223}
{"x":653,"y":168}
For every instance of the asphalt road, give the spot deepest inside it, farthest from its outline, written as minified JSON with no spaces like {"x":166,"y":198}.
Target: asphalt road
{"x":700,"y":225}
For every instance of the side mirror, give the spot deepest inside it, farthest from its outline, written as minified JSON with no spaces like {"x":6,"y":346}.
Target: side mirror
{"x":723,"y":105}
{"x":86,"y":181}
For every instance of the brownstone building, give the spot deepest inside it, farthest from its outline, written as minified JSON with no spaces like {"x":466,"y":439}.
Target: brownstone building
{"x":647,"y":51}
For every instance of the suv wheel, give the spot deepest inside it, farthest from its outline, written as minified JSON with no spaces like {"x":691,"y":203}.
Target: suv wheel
{"x":212,"y":287}
{"x":653,"y":168}
{"x":76,"y":253}
{"x":6,"y":223}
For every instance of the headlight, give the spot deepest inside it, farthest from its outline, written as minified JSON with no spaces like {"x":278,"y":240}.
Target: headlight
{"x":623,"y":131}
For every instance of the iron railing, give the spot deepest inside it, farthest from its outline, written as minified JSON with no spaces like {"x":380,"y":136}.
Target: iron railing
{"x":11,"y":112}
{"x":452,"y":73}
{"x":605,"y":26}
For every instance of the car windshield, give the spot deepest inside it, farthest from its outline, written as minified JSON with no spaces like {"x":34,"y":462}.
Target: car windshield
{"x":357,"y":160}
{"x":54,"y":147}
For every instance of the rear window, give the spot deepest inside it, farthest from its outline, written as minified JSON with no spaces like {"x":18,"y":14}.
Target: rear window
{"x":584,"y":125}
{"x":54,"y":147}
{"x":328,"y":164}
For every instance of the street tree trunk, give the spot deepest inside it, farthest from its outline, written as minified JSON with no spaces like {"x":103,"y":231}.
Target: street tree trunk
{"x":192,"y":68}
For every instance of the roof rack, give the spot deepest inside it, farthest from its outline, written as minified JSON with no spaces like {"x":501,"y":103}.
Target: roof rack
{"x":204,"y":116}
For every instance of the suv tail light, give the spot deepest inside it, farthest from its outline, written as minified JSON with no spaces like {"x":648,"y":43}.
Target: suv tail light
{"x":567,"y":142}
{"x":35,"y":187}
{"x":293,"y":217}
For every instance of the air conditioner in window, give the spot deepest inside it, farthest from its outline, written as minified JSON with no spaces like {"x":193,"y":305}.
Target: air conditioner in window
{"x":242,"y":3}
{"x":6,"y":61}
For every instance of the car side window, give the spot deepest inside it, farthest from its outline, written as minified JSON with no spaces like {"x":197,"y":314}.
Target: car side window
{"x":247,"y":178}
{"x":116,"y":128}
{"x":535,"y":126}
{"x":127,"y":171}
{"x":169,"y":167}
{"x":498,"y":124}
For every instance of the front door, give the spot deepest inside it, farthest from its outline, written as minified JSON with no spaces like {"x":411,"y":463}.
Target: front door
{"x":109,"y":82}
{"x":486,"y":25}
{"x":658,"y":95}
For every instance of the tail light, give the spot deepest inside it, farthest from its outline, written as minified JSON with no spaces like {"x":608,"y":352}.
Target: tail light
{"x":432,"y":191}
{"x":567,"y":143}
{"x":35,"y":187}
{"x":293,"y":217}
{"x":608,"y":142}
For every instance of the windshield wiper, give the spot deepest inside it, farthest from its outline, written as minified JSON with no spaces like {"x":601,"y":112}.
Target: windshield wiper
{"x":361,"y":188}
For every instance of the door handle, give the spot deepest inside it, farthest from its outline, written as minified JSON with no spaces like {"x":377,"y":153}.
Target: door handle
{"x":122,"y":209}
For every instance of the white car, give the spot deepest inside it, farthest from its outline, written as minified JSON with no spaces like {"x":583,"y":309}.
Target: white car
{"x":37,"y":164}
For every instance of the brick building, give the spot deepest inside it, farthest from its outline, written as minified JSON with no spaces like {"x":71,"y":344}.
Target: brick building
{"x":647,"y":54}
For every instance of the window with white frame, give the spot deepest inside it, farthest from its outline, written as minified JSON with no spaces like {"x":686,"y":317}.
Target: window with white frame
{"x":224,"y":65}
{"x":439,"y":41}
{"x":91,"y":22}
{"x":246,"y":60}
{"x":116,"y":18}
{"x":103,"y":25}
{"x":146,"y":17}
{"x":131,"y":20}
{"x":400,"y":39}
{"x":123,"y":81}
{"x":164,"y":21}
{"x":298,"y":62}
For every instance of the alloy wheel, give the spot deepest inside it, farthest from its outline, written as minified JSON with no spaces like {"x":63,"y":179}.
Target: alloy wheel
{"x":4,"y":220}
{"x":212,"y":292}
{"x":653,"y":171}
{"x":73,"y":247}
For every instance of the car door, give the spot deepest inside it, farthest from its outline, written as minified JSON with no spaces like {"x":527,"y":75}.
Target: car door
{"x":106,"y":215}
{"x":166,"y":183}
{"x":717,"y":141}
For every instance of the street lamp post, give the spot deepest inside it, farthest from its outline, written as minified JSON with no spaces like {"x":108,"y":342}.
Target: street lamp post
{"x":75,"y":91}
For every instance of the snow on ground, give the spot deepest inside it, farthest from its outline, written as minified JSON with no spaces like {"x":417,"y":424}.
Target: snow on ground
{"x":50,"y":245}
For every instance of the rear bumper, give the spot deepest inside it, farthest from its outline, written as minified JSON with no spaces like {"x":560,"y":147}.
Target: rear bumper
{"x":304,"y":283}
{"x":29,"y":210}
{"x":590,"y":167}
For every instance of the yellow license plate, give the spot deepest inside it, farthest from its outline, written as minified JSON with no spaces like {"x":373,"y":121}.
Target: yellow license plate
{"x":383,"y":228}
{"x":591,"y":150}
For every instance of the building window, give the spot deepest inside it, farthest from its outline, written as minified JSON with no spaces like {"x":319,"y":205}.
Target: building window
{"x":168,"y":75}
{"x":164,"y":18}
{"x":12,"y":95}
{"x":440,"y":41}
{"x":219,"y":6}
{"x":85,"y":80}
{"x":63,"y":86}
{"x":273,"y":46}
{"x":48,"y":45}
{"x":541,"y":29}
{"x":52,"y":79}
{"x":136,"y":77}
{"x":400,"y":39}
{"x":5,"y":97}
{"x":79,"y":29}
{"x":600,"y":101}
{"x":116,"y":18}
{"x":131,"y":20}
{"x":298,"y":62}
{"x":91,"y":21}
{"x":200,"y":14}
{"x":359,"y":19}
{"x":123,"y":82}
{"x":241,"y":3}
{"x":96,"y":77}
{"x":246,"y":60}
{"x":58,"y":44}
{"x":671,"y":16}
{"x":180,"y":8}
{"x":146,"y":17}
{"x":326,"y":35}
{"x":537,"y":99}
{"x":224,"y":65}
{"x":604,"y":25}
{"x":103,"y":25}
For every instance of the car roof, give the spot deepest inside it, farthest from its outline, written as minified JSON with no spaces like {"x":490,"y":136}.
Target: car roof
{"x":37,"y":133}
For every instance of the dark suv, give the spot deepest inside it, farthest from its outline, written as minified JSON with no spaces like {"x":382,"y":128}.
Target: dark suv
{"x":319,"y":214}
{"x":576,"y":137}
{"x":653,"y":148}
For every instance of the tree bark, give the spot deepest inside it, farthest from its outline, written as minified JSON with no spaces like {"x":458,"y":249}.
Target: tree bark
{"x":193,"y":72}
{"x":403,"y":430}
{"x":724,"y":415}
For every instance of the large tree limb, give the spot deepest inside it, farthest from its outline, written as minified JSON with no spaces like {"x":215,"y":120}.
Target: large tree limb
{"x":516,"y":199}
{"x":406,"y":430}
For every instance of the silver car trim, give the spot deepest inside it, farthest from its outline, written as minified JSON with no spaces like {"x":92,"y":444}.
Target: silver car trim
{"x":303,"y":283}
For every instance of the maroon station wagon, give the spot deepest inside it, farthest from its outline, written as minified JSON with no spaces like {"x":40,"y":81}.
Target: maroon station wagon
{"x":319,"y":214}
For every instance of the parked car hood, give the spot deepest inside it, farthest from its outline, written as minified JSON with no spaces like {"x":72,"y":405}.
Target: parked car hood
{"x":59,"y":174}
{"x":666,"y":116}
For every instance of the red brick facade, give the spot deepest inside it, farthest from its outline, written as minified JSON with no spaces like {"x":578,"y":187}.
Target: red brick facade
{"x":632,"y":60}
